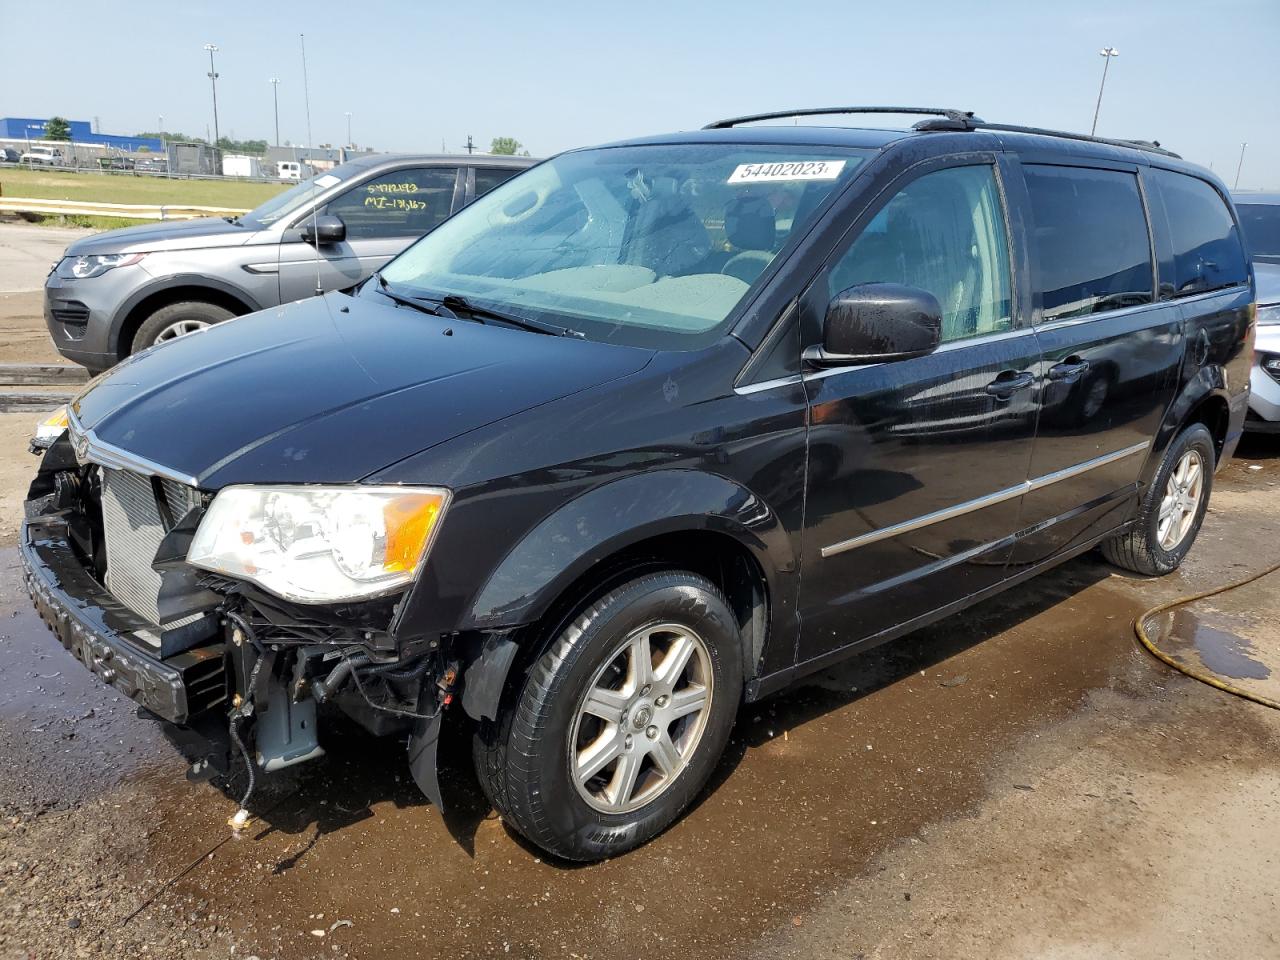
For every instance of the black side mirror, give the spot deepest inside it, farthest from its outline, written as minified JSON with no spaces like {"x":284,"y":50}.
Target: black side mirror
{"x":875,"y":322}
{"x":324,"y":229}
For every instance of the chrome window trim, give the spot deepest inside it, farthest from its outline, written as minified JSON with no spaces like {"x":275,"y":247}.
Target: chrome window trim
{"x":947,"y":347}
{"x":89,"y":449}
{"x":989,"y":500}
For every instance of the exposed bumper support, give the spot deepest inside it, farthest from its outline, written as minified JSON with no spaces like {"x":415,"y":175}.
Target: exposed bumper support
{"x":103,"y":634}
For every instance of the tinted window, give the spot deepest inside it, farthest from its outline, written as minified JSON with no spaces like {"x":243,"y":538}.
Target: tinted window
{"x":1261,"y":225}
{"x":403,"y":203}
{"x":1093,"y":251}
{"x":943,"y":233}
{"x":489,"y":177}
{"x":1207,"y":250}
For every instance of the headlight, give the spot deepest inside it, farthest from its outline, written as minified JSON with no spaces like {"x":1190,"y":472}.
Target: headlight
{"x":1268,"y":313}
{"x":50,"y":429}
{"x":94,"y":265}
{"x":318,"y":544}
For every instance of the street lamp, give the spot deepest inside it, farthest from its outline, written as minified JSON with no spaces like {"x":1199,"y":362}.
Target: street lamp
{"x":1106,"y":53}
{"x":275,"y":99}
{"x":213,"y":79}
{"x":348,"y":128}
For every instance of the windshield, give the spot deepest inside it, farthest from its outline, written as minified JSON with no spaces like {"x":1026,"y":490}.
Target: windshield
{"x":648,"y":245}
{"x":1261,"y":225}
{"x":283,"y":204}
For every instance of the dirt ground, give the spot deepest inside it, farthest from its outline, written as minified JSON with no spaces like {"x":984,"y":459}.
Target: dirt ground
{"x":1020,"y":781}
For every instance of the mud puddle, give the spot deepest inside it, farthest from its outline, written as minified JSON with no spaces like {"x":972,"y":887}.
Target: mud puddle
{"x":1236,"y":644}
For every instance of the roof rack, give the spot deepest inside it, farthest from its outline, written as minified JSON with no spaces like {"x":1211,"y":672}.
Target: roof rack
{"x":1150,"y":146}
{"x":955,"y":119}
{"x":944,"y":118}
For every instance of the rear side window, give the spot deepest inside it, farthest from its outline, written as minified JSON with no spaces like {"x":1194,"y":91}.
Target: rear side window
{"x":1093,"y":251}
{"x":1207,"y":251}
{"x":489,"y":177}
{"x":1261,"y":225}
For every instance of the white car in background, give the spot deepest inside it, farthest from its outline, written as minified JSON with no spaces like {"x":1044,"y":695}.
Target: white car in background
{"x":1260,"y":218}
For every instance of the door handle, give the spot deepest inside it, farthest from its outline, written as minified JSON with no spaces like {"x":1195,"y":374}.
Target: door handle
{"x":1069,"y":370}
{"x":1008,"y":383}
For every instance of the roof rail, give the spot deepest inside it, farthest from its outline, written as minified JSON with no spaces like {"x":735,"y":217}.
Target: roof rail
{"x":1150,"y":146}
{"x":954,"y":119}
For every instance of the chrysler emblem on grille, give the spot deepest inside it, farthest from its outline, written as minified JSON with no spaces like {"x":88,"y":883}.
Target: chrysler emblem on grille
{"x":80,"y":444}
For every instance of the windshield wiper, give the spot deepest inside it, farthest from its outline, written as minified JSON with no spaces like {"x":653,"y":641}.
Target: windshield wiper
{"x":455,"y":303}
{"x":422,"y":306}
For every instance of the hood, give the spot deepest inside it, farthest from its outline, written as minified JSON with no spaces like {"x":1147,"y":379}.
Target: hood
{"x":329,"y":390}
{"x":171,"y":235}
{"x":1267,"y":277}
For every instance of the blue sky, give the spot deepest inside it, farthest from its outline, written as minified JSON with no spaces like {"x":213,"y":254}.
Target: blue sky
{"x":1199,"y":76}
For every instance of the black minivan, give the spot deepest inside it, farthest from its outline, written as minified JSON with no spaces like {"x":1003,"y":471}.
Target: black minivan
{"x":650,"y":430}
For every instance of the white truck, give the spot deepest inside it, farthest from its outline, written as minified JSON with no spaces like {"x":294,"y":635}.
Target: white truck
{"x":43,"y":156}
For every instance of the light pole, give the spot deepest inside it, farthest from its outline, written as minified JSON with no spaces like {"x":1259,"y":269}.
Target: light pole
{"x":213,"y":79}
{"x":348,"y":128}
{"x":275,"y":100}
{"x":1236,"y":185}
{"x":1106,"y":53}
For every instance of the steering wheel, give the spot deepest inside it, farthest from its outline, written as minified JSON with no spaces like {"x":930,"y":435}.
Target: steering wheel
{"x":747,"y":265}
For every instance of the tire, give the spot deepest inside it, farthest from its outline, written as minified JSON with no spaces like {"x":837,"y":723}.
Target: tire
{"x":1149,"y":546}
{"x":523,"y":761}
{"x":164,"y":323}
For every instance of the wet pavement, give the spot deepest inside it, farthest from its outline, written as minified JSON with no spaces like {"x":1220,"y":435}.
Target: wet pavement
{"x":106,"y":848}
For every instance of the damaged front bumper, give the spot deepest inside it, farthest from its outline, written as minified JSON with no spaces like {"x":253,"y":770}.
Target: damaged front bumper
{"x":251,"y":665}
{"x":107,"y":637}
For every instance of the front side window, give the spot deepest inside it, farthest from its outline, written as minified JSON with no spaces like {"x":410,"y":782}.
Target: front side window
{"x":1093,"y":250}
{"x":1261,"y":225}
{"x":1207,"y":251}
{"x":403,"y":203}
{"x":652,"y":245}
{"x":943,"y":233}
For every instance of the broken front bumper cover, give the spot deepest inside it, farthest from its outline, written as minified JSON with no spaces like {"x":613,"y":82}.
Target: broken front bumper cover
{"x":106,"y":636}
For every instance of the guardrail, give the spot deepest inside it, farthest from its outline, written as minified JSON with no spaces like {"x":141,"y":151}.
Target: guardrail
{"x":131,"y":211}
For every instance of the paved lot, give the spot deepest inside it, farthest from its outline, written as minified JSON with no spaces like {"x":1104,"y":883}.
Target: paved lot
{"x":1020,"y":781}
{"x":27,"y":252}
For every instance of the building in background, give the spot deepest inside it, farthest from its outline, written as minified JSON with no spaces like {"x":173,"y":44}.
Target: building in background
{"x":29,"y":129}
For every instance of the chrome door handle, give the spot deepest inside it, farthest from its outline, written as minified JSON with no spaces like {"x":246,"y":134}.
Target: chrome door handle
{"x":1069,"y":370}
{"x":1008,"y":383}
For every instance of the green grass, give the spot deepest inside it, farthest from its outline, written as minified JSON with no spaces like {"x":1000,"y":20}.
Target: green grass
{"x":125,"y":188}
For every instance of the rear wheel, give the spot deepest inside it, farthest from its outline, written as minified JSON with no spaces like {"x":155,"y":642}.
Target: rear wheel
{"x":178,"y":320}
{"x":620,"y":722}
{"x":1172,"y":508}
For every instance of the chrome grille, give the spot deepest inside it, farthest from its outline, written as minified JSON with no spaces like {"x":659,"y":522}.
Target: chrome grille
{"x":133,"y":528}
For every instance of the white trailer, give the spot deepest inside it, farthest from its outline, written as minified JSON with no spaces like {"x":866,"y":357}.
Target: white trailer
{"x":234,"y":165}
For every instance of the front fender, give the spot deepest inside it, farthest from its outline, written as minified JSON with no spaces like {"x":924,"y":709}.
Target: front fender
{"x":614,"y":516}
{"x":193,"y":281}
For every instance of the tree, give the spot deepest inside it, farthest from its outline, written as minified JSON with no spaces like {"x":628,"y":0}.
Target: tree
{"x":505,"y":146}
{"x":57,"y":129}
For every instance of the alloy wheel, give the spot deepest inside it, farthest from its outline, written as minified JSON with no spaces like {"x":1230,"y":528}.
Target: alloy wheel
{"x":639,"y":723}
{"x":180,"y":328}
{"x":1181,"y":500}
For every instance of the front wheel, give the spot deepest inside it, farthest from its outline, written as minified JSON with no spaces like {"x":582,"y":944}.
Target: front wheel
{"x":620,"y":722}
{"x":178,"y":320}
{"x":1173,"y":508}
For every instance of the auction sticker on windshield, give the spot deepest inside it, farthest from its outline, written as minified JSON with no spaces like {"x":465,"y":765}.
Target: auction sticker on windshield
{"x":787,"y":170}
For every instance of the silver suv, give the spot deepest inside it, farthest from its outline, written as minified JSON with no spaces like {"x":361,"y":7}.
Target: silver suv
{"x":1260,"y":221}
{"x":115,"y":293}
